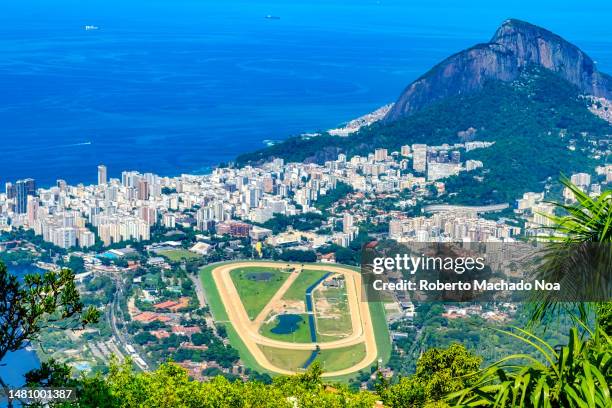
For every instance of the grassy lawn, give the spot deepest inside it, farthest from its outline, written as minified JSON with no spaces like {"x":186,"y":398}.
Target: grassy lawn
{"x":285,"y":358}
{"x":335,"y":323}
{"x":176,"y":255}
{"x":338,"y":359}
{"x":331,"y":360}
{"x":297,"y":291}
{"x":220,"y":315}
{"x":301,"y":335}
{"x":255,"y":294}
{"x":381,"y":331}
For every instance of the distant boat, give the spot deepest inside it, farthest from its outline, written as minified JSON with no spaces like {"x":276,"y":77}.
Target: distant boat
{"x":91,"y":28}
{"x":271,"y":17}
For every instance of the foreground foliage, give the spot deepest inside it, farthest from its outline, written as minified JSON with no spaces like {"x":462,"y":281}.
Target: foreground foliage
{"x":170,"y":386}
{"x":41,"y":300}
{"x":589,"y":220}
{"x":576,"y":375}
{"x":438,"y":372}
{"x":578,"y":255}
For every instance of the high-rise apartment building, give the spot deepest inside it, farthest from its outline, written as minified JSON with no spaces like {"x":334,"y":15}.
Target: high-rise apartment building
{"x":102,"y":176}
{"x":143,"y":189}
{"x":10,"y":190}
{"x":21,"y":196}
{"x":419,"y":157}
{"x":380,"y":154}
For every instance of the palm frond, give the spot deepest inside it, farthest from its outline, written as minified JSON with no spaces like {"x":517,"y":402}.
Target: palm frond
{"x":578,"y":376}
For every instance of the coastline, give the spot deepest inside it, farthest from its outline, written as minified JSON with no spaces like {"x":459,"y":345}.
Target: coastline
{"x":347,"y":129}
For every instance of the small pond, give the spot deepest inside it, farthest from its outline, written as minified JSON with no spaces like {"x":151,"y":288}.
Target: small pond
{"x":287,"y":324}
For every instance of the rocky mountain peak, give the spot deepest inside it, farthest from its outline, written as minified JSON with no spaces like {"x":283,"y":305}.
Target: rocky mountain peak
{"x":515,"y":45}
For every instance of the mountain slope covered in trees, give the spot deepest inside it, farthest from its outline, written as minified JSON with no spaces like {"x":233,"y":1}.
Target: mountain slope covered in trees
{"x":532,"y":121}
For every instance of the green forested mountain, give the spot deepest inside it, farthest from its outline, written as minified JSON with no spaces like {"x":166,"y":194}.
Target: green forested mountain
{"x":532,"y":121}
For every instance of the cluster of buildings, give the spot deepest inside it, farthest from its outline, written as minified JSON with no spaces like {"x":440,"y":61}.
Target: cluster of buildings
{"x":71,"y":216}
{"x":384,"y":171}
{"x":236,"y":201}
{"x":228,"y":201}
{"x":498,"y":313}
{"x":450,"y":226}
{"x":442,"y":161}
{"x":365,"y":120}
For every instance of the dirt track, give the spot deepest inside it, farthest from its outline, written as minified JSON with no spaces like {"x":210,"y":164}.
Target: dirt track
{"x":248,"y":330}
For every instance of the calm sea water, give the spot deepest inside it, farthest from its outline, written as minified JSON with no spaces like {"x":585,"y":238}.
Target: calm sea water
{"x":179,"y":86}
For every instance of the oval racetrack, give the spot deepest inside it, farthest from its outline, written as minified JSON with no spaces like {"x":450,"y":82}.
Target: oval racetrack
{"x":248,"y":330}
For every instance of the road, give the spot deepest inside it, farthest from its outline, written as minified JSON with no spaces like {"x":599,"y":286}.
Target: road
{"x":197,"y":283}
{"x":363,"y":331}
{"x":112,"y":319}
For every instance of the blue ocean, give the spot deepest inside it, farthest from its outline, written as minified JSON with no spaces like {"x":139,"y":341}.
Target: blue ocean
{"x":179,"y":86}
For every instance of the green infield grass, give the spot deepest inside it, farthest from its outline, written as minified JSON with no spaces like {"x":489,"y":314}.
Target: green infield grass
{"x":307,"y":277}
{"x":285,"y":358}
{"x":256,"y":286}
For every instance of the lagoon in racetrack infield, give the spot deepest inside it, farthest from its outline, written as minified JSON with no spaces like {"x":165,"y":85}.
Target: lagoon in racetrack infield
{"x":287,"y":324}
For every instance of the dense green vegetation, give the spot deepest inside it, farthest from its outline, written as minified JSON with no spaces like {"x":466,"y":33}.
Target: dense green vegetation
{"x":22,"y":257}
{"x":438,"y":372}
{"x":575,"y":375}
{"x":579,"y":256}
{"x":531,"y":120}
{"x":297,"y":255}
{"x":170,"y":386}
{"x":300,"y":222}
{"x":101,"y":288}
{"x":341,"y":190}
{"x":429,"y":329}
{"x":572,"y":377}
{"x":76,"y":264}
